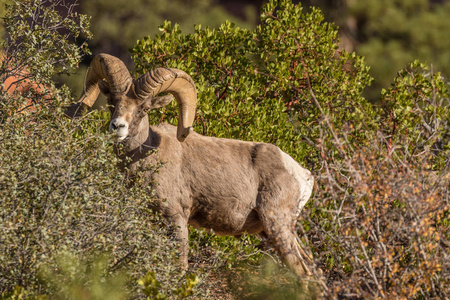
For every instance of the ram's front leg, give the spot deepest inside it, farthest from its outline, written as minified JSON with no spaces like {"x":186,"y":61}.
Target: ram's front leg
{"x":182,"y":237}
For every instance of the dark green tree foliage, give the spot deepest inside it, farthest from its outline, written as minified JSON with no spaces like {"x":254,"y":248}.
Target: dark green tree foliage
{"x":392,"y":34}
{"x":247,"y":79}
{"x":117,"y":25}
{"x":2,"y":14}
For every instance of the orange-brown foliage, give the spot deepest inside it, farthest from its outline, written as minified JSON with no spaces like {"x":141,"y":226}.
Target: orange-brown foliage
{"x":19,"y":81}
{"x":382,"y":226}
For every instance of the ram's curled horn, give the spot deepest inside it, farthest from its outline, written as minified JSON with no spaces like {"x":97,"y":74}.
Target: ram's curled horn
{"x":179,"y":84}
{"x":107,"y":69}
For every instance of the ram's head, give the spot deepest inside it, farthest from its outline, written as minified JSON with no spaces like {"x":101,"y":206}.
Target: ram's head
{"x":130,"y":99}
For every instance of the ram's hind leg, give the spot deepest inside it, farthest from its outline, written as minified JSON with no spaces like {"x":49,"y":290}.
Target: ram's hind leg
{"x":282,"y":237}
{"x":279,"y":229}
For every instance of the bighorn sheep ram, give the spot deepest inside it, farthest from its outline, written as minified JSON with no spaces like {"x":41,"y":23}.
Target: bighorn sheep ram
{"x":226,"y":185}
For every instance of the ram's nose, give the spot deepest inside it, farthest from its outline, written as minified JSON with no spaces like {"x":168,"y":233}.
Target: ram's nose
{"x":120,"y":127}
{"x":116,"y":125}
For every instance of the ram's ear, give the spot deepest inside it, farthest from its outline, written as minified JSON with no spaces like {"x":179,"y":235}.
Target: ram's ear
{"x":160,"y":101}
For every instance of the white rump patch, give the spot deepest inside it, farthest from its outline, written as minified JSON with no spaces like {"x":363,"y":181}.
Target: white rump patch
{"x":303,"y":176}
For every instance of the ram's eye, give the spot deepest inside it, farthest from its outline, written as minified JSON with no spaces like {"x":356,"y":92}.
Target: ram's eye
{"x":146,"y":109}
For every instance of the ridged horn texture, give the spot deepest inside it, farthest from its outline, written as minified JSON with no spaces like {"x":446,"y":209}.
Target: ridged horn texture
{"x":109,"y":68}
{"x":179,"y":84}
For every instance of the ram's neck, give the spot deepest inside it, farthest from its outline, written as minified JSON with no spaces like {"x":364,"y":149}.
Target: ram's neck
{"x":139,"y":142}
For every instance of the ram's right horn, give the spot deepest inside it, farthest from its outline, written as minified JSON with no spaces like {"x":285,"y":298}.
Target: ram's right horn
{"x":179,"y":84}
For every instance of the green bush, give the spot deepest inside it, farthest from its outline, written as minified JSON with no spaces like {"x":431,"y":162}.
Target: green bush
{"x":248,"y":79}
{"x":61,"y":191}
{"x":60,"y":187}
{"x":416,"y":114}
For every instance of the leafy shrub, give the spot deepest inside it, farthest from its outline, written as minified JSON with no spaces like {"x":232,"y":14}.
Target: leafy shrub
{"x":416,"y":114}
{"x":60,"y":188}
{"x":248,"y":79}
{"x":387,"y":233}
{"x":42,"y":36}
{"x":61,"y":191}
